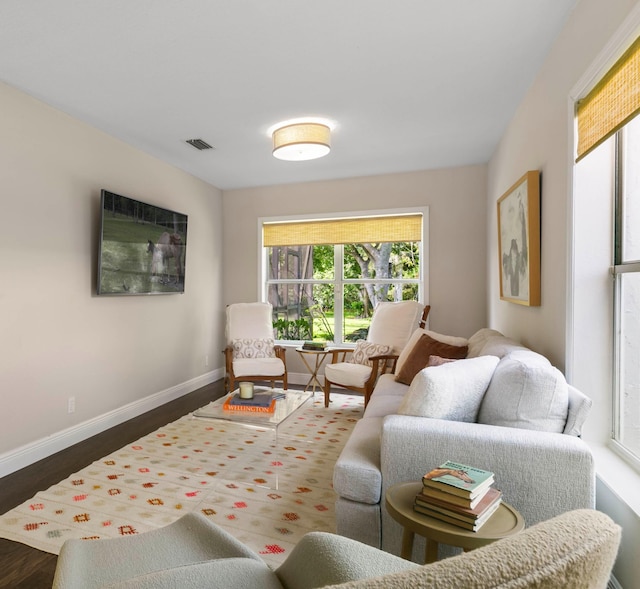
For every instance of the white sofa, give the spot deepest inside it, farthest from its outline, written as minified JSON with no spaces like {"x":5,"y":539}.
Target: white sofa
{"x":541,"y":473}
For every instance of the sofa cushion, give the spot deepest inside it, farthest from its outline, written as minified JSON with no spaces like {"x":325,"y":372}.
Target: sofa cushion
{"x":579,"y":408}
{"x":500,"y":346}
{"x":347,"y":373}
{"x":258,"y":367}
{"x":386,"y":385}
{"x":365,"y":350}
{"x":422,"y":350}
{"x":479,"y":339}
{"x":356,"y":474}
{"x":526,"y":392}
{"x":452,"y":340}
{"x":383,"y":405}
{"x":452,"y":391}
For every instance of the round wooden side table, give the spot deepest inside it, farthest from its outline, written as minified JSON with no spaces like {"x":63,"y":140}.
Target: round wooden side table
{"x":506,"y":521}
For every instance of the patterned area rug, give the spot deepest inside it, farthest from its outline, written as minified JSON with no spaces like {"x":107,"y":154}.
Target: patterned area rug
{"x":267,"y":495}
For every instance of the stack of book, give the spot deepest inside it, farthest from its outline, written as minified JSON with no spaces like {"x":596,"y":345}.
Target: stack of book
{"x":314,"y":346}
{"x":458,"y":494}
{"x":262,"y":402}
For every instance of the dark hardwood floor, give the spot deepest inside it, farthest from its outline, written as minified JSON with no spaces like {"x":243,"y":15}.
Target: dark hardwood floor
{"x":22,"y":567}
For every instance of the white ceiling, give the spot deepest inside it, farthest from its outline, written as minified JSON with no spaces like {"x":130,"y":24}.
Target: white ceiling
{"x":410,"y":84}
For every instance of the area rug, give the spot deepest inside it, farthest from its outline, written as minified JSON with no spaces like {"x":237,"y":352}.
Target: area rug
{"x":266,"y":494}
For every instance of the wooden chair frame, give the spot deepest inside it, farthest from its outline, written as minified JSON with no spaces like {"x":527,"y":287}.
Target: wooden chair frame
{"x":380,"y":365}
{"x":230,"y":377}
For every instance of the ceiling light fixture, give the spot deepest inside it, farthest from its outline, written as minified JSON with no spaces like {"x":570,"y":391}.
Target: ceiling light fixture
{"x":301,"y":141}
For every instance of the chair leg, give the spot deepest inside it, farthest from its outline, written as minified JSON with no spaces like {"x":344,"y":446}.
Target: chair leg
{"x":327,"y":391}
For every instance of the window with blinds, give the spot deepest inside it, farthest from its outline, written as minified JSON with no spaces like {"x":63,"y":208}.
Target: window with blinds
{"x":324,"y":277}
{"x":612,"y":103}
{"x":610,"y":110}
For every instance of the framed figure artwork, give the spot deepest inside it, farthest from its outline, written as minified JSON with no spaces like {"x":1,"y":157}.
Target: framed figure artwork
{"x":519,"y":241}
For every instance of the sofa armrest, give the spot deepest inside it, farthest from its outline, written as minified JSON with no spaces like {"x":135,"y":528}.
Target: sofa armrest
{"x":541,"y":474}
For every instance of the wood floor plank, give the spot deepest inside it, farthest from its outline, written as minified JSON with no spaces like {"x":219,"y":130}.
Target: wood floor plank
{"x":23,"y":567}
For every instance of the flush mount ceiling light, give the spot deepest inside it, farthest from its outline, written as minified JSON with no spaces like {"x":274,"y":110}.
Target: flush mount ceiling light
{"x":301,"y":141}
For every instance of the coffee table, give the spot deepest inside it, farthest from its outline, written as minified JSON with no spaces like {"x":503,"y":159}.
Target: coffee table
{"x":267,"y":422}
{"x":506,"y":521}
{"x":285,"y":408}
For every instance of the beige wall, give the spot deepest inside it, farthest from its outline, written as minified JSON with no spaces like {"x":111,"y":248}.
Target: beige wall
{"x":456,"y":200}
{"x":540,"y":137}
{"x":59,"y":339}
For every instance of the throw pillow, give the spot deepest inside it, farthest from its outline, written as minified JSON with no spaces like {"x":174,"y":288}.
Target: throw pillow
{"x":253,"y":348}
{"x":526,"y":393}
{"x":364,"y":350}
{"x":439,"y":361}
{"x":419,"y":356}
{"x":452,"y":391}
{"x":452,"y":340}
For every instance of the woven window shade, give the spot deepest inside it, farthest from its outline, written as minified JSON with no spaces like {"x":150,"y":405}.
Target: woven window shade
{"x":354,"y":230}
{"x":613,"y":102}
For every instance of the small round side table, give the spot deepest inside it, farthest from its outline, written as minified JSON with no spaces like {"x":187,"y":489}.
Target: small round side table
{"x":506,"y":521}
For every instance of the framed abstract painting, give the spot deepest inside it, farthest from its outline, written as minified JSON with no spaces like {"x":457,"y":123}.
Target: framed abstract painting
{"x":519,"y":241}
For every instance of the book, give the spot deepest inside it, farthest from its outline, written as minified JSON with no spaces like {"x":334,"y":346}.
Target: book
{"x":459,"y":479}
{"x":314,"y":346}
{"x":465,"y":513}
{"x":450,"y":498}
{"x":450,"y":519}
{"x":260,"y":403}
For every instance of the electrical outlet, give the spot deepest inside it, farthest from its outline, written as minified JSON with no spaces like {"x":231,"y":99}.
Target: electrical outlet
{"x":206,"y":361}
{"x":71,"y":405}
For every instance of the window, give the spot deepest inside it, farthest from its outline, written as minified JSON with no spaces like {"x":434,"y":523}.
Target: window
{"x":626,"y":429}
{"x":606,"y":240}
{"x":324,"y":277}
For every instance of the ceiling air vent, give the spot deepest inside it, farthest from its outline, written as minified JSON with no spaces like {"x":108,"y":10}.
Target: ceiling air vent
{"x":199,"y":144}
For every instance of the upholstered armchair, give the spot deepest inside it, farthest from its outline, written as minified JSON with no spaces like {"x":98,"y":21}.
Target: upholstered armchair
{"x":391,"y":327}
{"x":250,"y":353}
{"x":575,"y":550}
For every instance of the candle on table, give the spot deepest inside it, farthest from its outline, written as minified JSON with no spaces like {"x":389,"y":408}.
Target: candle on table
{"x":246,"y":390}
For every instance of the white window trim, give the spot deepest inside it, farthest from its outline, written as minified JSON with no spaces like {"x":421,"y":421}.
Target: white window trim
{"x":611,"y":466}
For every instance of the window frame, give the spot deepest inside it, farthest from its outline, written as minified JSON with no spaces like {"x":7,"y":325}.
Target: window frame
{"x":619,"y":268}
{"x":338,"y":280}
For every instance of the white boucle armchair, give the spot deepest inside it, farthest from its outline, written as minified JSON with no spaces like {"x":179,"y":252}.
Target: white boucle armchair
{"x":576,"y":550}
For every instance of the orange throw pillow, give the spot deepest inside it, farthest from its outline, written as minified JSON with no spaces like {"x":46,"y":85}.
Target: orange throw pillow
{"x":418,"y":358}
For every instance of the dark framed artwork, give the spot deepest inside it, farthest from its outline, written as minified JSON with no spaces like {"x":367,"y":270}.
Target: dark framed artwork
{"x":519,"y":241}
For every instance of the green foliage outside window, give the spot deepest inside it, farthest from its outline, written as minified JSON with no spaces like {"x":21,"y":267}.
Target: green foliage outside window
{"x":304,"y":288}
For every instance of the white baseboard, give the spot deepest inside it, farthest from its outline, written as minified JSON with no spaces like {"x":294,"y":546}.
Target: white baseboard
{"x":30,"y":453}
{"x":302,"y":378}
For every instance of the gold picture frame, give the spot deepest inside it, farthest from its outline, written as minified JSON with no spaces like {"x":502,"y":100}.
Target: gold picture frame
{"x":519,"y":241}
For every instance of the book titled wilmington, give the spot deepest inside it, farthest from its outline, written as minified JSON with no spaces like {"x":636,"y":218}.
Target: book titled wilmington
{"x":459,"y":479}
